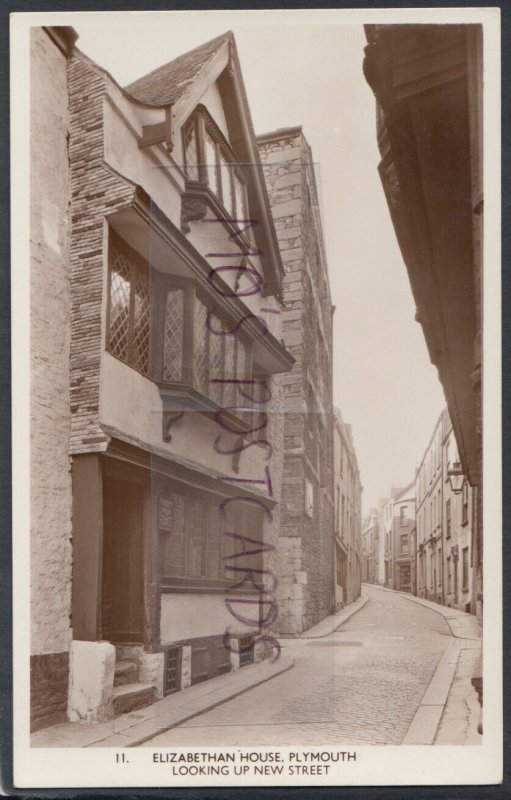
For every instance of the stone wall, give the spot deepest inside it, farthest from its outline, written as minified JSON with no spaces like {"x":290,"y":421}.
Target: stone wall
{"x":50,"y":550}
{"x":49,"y":676}
{"x":306,"y":590}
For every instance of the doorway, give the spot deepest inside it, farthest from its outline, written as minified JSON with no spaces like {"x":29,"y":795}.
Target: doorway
{"x":122,"y":602}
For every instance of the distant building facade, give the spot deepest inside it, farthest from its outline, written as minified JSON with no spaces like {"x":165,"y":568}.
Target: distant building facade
{"x":306,"y":553}
{"x":348,"y":524}
{"x":371,"y":535}
{"x":430,"y":541}
{"x":399,"y":555}
{"x":445,"y":524}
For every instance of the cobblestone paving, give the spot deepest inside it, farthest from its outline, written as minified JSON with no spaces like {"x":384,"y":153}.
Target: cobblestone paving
{"x":360,"y":685}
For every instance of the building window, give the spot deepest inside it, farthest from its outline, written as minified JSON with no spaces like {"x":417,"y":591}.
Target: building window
{"x":309,"y":498}
{"x":191,"y":539}
{"x":404,"y":544}
{"x":448,"y":518}
{"x":200,"y":341}
{"x":210,"y":160}
{"x":191,"y":149}
{"x":338,"y":567}
{"x":129,"y":306}
{"x":432,"y":568}
{"x":173,"y":336}
{"x":402,"y":515}
{"x":212,"y":164}
{"x":337,"y":507}
{"x":439,"y":567}
{"x":449,"y":575}
{"x":197,"y":349}
{"x":464,"y":554}
{"x":311,"y":428}
{"x":464,"y":503}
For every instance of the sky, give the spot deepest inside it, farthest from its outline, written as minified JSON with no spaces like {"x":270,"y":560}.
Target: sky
{"x":307,"y":70}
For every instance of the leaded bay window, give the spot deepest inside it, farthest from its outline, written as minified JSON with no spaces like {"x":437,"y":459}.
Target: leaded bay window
{"x":198,"y":351}
{"x":173,"y":335}
{"x":192,"y":544}
{"x":170,"y":330}
{"x":191,"y":149}
{"x":200,"y":342}
{"x":129,"y":306}
{"x":210,"y":163}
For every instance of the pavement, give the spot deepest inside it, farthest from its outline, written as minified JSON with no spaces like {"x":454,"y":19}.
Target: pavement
{"x":128,"y":730}
{"x":449,"y":712}
{"x":387,"y":669}
{"x":334,"y":621}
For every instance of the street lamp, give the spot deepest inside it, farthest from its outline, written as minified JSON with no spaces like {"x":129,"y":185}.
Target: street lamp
{"x":456,"y":477}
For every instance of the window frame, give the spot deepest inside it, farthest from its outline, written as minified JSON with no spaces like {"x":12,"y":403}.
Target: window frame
{"x":465,"y":569}
{"x":205,"y":124}
{"x":158,"y":284}
{"x":192,"y":122}
{"x":464,"y":503}
{"x":193,"y":293}
{"x":138,"y":265}
{"x":309,"y":499}
{"x":248,"y":522}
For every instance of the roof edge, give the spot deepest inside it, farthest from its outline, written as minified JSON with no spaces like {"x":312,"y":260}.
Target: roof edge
{"x":280,"y":133}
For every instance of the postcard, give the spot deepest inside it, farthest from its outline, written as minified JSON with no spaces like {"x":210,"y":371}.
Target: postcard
{"x":256,"y":386}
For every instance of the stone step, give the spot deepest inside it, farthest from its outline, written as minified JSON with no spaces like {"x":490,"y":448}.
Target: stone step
{"x":130,"y":696}
{"x":125,"y":672}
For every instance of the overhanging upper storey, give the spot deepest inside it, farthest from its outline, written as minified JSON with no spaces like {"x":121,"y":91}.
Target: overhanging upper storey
{"x":174,"y":264}
{"x":206,"y":125}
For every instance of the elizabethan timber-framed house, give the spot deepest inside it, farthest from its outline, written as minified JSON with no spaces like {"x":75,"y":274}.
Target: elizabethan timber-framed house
{"x":159,"y":311}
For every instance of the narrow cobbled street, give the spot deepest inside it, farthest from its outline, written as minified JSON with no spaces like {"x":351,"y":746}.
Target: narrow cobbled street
{"x":361,"y":684}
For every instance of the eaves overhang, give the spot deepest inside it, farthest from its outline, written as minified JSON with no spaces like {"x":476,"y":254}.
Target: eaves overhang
{"x":123,"y":447}
{"x":419,"y":77}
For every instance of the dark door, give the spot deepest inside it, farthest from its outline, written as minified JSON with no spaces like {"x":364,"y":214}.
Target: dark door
{"x":405,"y":577}
{"x":122,"y":604}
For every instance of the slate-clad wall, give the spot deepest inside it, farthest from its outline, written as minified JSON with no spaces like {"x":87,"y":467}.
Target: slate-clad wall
{"x":96,"y":191}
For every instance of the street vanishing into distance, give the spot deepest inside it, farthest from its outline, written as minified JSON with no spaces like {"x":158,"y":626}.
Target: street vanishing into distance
{"x":360,"y":685}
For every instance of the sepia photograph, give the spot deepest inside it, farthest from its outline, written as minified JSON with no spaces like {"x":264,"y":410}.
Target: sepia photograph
{"x":256,"y":390}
